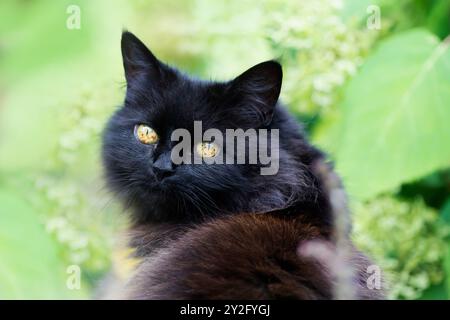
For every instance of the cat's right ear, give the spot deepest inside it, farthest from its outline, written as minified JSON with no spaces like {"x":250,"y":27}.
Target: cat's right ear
{"x":139,"y":61}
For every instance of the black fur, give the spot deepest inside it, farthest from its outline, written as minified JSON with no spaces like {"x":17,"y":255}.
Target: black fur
{"x":167,"y":99}
{"x":214,"y":231}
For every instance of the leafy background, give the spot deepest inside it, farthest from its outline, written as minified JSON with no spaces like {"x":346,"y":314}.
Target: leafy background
{"x":378,"y":101}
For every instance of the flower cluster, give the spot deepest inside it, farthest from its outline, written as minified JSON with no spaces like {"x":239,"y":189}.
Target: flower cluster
{"x":78,"y":213}
{"x":319,"y":50}
{"x":406,"y":239}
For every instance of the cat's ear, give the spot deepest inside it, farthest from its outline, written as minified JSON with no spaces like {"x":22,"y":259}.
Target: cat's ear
{"x":258,"y":88}
{"x":139,"y":61}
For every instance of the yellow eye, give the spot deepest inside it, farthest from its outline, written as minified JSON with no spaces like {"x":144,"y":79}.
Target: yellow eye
{"x":207,"y":149}
{"x":145,"y":134}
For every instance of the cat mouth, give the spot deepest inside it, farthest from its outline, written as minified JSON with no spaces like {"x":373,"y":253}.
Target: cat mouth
{"x":160,"y":176}
{"x":159,"y":181}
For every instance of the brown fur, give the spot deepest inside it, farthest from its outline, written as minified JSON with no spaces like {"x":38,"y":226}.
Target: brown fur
{"x":246,"y":256}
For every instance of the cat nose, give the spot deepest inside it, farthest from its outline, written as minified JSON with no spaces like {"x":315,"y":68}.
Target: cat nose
{"x":163,"y":166}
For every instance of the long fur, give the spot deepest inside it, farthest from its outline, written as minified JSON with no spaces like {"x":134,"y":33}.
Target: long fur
{"x":247,"y":256}
{"x":218,"y":231}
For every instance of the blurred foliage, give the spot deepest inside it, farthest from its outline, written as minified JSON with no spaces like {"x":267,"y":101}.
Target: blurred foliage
{"x":316,"y":63}
{"x":376,"y":100}
{"x":414,"y":251}
{"x":36,"y":272}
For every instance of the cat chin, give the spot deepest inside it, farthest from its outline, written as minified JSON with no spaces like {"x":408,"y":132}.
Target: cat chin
{"x":166,"y":184}
{"x":161,"y":189}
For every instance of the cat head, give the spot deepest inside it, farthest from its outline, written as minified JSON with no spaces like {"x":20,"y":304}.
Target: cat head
{"x":159,"y":99}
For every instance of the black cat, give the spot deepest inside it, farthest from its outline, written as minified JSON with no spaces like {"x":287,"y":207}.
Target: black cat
{"x":217,"y":230}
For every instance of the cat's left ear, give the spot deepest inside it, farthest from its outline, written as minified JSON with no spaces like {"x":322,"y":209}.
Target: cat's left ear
{"x":258,"y":88}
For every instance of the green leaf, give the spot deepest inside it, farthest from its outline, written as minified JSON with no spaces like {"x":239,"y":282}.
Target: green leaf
{"x":438,"y":19}
{"x":396,"y":115}
{"x":436,"y":292}
{"x":29,"y":265}
{"x":447,"y":271}
{"x":445,"y":213}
